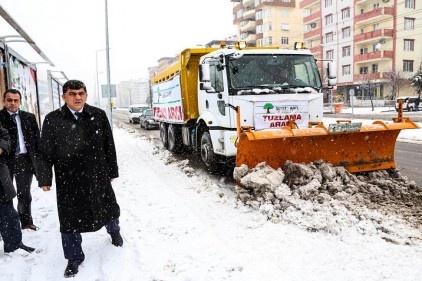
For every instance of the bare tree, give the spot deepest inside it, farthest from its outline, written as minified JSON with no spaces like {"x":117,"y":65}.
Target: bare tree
{"x":396,"y":80}
{"x":417,"y":84}
{"x":366,"y":83}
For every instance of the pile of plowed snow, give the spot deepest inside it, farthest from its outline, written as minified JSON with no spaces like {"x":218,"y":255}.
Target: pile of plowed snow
{"x":320,"y":197}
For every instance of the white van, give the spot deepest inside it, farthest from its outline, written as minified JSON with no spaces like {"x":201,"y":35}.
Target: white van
{"x":410,"y":103}
{"x":135,"y":111}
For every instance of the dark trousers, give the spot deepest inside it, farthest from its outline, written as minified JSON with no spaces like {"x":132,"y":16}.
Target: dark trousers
{"x":10,"y":227}
{"x":72,"y":242}
{"x":22,"y":171}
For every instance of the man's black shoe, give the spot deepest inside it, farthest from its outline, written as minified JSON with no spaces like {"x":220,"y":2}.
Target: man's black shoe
{"x":116,"y":239}
{"x":72,"y":269}
{"x":30,"y":227}
{"x":26,"y":248}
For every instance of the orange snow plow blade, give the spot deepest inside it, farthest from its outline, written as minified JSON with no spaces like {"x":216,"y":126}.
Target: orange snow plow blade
{"x":370,"y":147}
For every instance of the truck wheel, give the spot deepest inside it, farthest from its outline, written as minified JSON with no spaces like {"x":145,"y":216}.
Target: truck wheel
{"x":174,"y":139}
{"x":163,"y":135}
{"x":207,"y":153}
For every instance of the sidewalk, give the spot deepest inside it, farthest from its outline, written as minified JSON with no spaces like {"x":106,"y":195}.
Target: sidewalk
{"x":386,"y":114}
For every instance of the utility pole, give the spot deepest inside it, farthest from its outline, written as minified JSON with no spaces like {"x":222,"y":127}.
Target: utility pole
{"x":108,"y":67}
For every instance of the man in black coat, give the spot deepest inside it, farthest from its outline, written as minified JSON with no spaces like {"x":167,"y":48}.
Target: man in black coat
{"x":24,"y":135}
{"x":10,"y":228}
{"x":77,"y":140}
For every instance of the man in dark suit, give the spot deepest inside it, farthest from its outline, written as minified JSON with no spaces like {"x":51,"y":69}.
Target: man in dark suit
{"x":9,"y":219}
{"x":24,"y":135}
{"x":77,"y":141}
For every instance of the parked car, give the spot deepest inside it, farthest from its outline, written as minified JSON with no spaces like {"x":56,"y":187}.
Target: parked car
{"x":410,"y":103}
{"x":134,"y":111}
{"x":148,"y":121}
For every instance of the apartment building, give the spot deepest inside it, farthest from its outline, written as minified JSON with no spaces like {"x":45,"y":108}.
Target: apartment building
{"x":268,"y":22}
{"x":376,"y":44}
{"x":133,"y":92}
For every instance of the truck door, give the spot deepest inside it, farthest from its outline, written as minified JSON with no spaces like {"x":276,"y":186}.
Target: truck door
{"x":217,"y":97}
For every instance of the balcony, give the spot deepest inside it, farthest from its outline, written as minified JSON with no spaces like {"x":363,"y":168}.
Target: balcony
{"x":371,"y":76}
{"x":312,"y":17}
{"x":249,"y":38}
{"x":308,"y":4}
{"x":249,"y":15}
{"x":310,"y":35}
{"x":360,"y":2}
{"x":374,"y":56}
{"x":249,"y":25}
{"x":248,"y":3}
{"x":374,"y":35}
{"x":316,"y":51}
{"x":375,"y":15}
{"x":367,"y":76}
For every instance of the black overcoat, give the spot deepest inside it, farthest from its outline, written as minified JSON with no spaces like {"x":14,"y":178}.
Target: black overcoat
{"x":31,"y":135}
{"x":83,"y":155}
{"x":7,"y":190}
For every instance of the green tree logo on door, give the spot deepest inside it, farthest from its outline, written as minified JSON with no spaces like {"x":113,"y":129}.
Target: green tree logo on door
{"x":268,"y":106}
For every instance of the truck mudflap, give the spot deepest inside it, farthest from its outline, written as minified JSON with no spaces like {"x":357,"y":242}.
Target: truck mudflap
{"x":357,"y":148}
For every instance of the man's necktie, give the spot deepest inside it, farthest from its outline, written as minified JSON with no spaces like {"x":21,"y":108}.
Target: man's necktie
{"x":78,"y":115}
{"x":18,"y":149}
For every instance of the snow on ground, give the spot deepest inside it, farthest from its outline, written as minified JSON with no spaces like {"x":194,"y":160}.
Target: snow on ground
{"x":181,"y":224}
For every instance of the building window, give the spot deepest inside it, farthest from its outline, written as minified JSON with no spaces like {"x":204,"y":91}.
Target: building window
{"x":345,"y":32}
{"x":239,"y":14}
{"x":259,"y":29}
{"x":408,"y":65}
{"x":374,"y":68}
{"x":363,"y":70}
{"x":266,"y":13}
{"x":363,"y":51}
{"x":268,"y":41}
{"x":258,"y":15}
{"x":286,"y":1}
{"x":285,"y":26}
{"x":346,"y":69}
{"x":345,"y":13}
{"x":410,"y":4}
{"x":346,"y":51}
{"x":409,"y":23}
{"x":329,"y":55}
{"x":329,"y":37}
{"x":267,"y":27}
{"x":284,"y":40}
{"x":328,"y":3}
{"x":328,"y":19}
{"x":409,"y":44}
{"x":284,"y":13}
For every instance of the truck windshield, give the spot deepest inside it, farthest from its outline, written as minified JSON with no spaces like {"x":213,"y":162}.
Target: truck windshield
{"x":273,"y":70}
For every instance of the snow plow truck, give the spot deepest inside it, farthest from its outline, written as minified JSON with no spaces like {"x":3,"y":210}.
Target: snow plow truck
{"x":246,"y":105}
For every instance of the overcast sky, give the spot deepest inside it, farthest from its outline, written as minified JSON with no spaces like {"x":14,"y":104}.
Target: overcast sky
{"x":72,"y":32}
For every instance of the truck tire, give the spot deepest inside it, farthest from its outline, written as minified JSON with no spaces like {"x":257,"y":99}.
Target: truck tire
{"x":174,"y":139}
{"x":208,"y":156}
{"x":163,"y":135}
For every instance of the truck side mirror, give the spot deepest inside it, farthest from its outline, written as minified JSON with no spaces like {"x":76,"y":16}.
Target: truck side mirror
{"x":331,"y":70}
{"x":206,"y":86}
{"x":204,"y":72}
{"x":332,"y":82}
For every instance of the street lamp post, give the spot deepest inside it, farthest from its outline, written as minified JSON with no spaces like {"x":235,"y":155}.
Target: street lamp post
{"x":96,"y":77}
{"x":108,"y":65}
